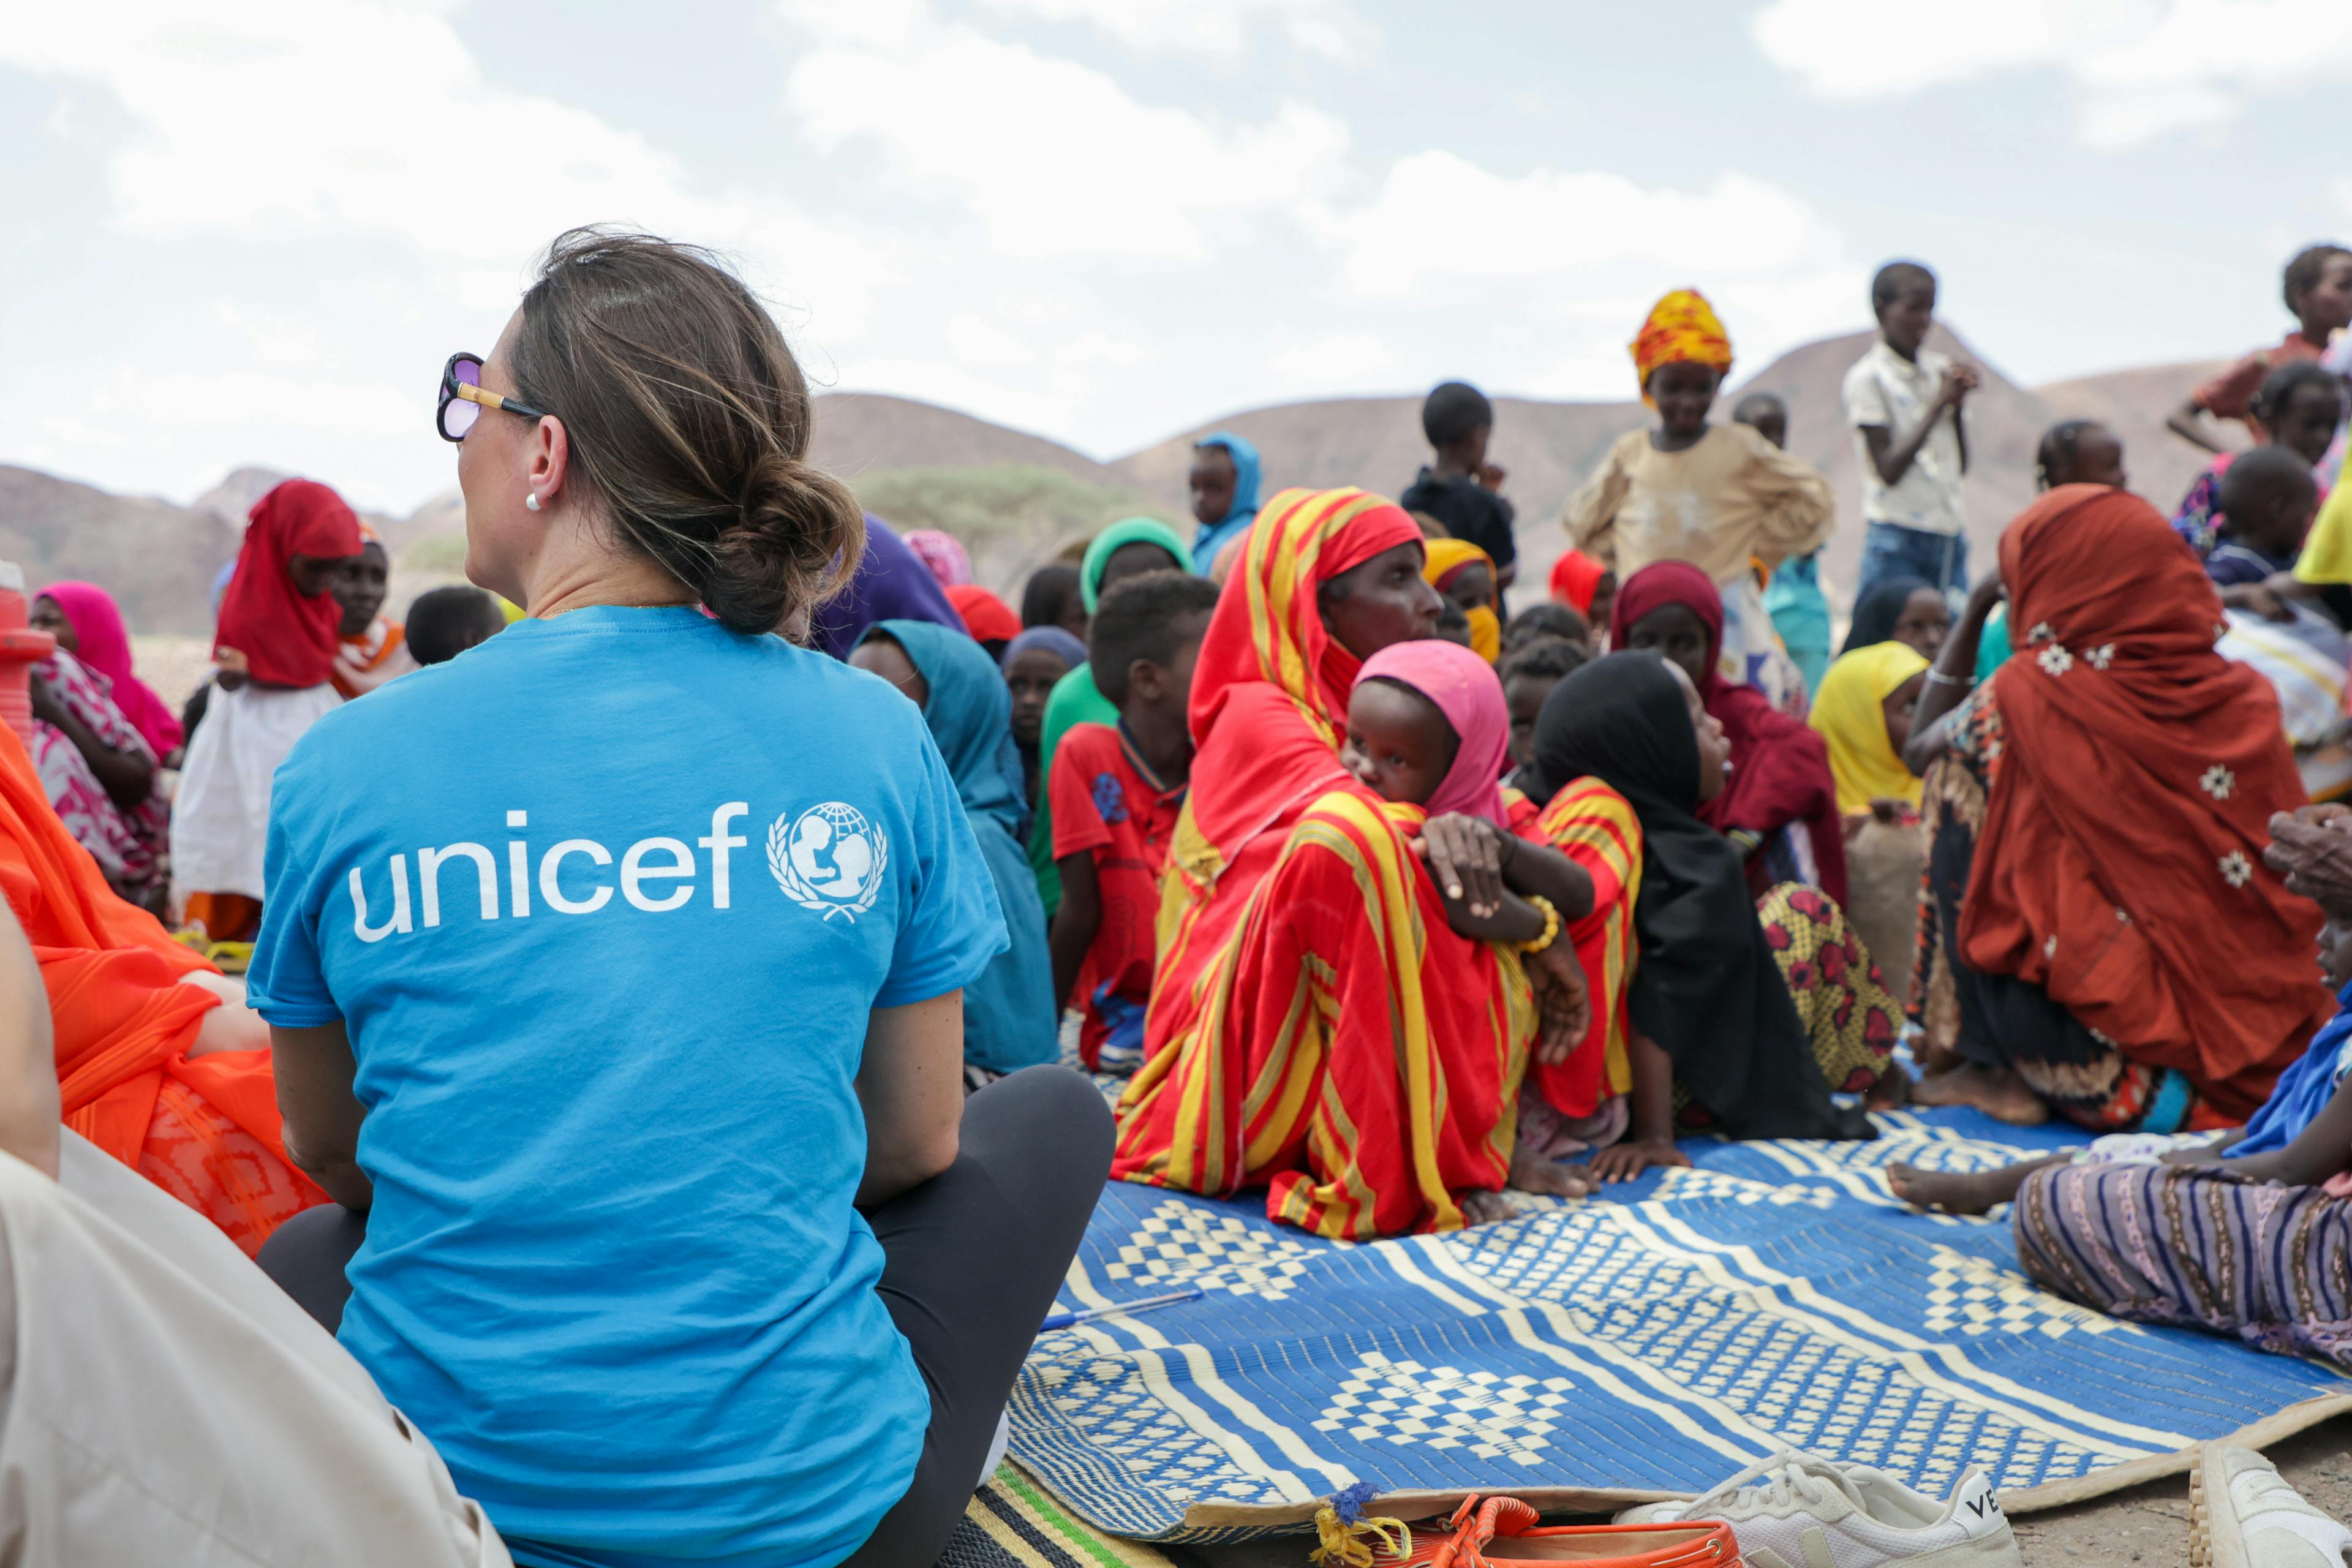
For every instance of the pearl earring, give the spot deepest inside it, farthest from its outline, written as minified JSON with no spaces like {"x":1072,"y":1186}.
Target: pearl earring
{"x":530,"y":500}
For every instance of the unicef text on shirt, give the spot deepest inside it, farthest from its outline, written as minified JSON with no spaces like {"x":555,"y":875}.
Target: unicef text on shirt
{"x":829,"y":858}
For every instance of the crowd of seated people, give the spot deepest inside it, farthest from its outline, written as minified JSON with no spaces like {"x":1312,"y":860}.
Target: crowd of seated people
{"x":654,"y":1064}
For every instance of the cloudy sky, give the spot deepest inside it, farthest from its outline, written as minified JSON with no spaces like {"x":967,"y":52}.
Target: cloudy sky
{"x":252,"y":233}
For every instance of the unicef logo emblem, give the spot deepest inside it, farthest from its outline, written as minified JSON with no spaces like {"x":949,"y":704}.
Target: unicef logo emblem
{"x":829,"y":858}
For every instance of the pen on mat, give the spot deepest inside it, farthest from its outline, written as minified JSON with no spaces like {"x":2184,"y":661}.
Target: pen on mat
{"x":1064,"y":1320}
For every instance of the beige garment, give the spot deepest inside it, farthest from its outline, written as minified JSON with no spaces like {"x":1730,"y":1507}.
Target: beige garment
{"x":1882,"y":867}
{"x":165,"y":1403}
{"x":1714,"y":504}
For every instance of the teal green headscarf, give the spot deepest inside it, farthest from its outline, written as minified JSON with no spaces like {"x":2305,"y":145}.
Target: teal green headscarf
{"x":1010,"y":1021}
{"x":1075,"y":699}
{"x":1118,"y":535}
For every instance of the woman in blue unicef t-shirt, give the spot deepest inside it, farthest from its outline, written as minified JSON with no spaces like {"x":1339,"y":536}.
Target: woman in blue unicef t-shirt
{"x":614,"y":968}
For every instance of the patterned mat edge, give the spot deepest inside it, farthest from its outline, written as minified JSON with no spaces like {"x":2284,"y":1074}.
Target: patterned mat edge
{"x":1413,"y":1506}
{"x":1019,"y":1518}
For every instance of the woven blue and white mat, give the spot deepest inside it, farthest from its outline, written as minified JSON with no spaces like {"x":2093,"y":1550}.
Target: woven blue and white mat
{"x":1587,"y":1354}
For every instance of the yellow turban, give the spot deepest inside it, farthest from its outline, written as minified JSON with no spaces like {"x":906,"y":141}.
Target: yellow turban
{"x":1851,"y":713}
{"x":1448,"y":556}
{"x":1682,"y":330}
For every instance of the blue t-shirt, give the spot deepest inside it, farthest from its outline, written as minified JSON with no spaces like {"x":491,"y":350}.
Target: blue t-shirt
{"x":604,"y":903}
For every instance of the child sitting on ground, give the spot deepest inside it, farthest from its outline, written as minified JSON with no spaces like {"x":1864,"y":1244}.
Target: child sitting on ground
{"x":2267,"y":499}
{"x":2298,"y":410}
{"x":1459,"y":486}
{"x":1427,"y":728}
{"x":2301,"y":1135}
{"x":1052,"y":598}
{"x":1033,"y":664}
{"x":1116,"y":794}
{"x":2317,"y":288}
{"x":445,"y":622}
{"x":1529,"y":672}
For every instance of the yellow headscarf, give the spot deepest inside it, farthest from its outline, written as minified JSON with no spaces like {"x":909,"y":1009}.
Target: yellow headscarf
{"x":1850,"y":712}
{"x":2327,"y":552}
{"x":1448,"y":556}
{"x":1682,"y":330}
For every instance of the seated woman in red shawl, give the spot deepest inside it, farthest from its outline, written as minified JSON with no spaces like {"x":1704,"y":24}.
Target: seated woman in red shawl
{"x":1317,"y":1026}
{"x":1780,"y":806}
{"x":2099,"y":935}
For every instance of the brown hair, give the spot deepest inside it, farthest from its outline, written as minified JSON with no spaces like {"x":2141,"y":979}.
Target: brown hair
{"x":689,"y":419}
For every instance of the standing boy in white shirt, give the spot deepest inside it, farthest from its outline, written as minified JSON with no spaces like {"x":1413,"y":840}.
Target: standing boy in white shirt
{"x":1904,"y":402}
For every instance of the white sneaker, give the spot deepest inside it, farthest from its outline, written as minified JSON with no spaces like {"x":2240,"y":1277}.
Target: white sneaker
{"x":1797,"y":1511}
{"x":2242,"y":1514}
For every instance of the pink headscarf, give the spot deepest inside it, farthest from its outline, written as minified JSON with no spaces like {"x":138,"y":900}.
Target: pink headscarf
{"x":102,"y":644}
{"x":1469,"y":693}
{"x":943,"y":553}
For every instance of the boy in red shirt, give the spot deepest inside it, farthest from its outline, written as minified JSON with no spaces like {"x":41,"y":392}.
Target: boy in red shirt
{"x":1115,"y":794}
{"x":2317,"y":288}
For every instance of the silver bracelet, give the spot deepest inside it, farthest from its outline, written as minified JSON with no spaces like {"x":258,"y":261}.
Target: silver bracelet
{"x":1937,"y":678}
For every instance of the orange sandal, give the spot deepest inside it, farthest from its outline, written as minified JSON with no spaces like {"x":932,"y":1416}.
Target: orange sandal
{"x":1500,"y":1530}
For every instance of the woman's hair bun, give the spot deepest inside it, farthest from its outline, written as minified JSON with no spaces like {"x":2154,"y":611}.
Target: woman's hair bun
{"x":798,"y":536}
{"x":689,"y":421}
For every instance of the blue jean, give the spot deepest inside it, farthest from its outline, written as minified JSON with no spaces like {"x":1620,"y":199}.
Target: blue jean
{"x":1890,"y":550}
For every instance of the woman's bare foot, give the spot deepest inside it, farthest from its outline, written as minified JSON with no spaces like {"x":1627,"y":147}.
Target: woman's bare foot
{"x":1960,"y":1192}
{"x":1482,"y":1207}
{"x":1997,"y":1092}
{"x":1889,"y":1093}
{"x":1533,"y":1173}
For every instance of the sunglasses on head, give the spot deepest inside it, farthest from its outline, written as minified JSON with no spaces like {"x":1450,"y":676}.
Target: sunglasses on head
{"x":463,"y":399}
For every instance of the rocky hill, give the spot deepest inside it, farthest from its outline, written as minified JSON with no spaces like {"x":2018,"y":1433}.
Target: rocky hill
{"x":1018,"y":498}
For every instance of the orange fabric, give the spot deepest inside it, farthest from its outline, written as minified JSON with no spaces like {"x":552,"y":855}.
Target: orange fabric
{"x":1316,"y":1027}
{"x":1344,"y":1048}
{"x":225,"y":917}
{"x":2120,"y":863}
{"x":1595,"y":828}
{"x":123,"y":1026}
{"x":354,"y":661}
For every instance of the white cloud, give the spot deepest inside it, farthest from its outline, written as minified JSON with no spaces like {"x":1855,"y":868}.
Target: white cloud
{"x":1204,"y":27}
{"x":254,"y":123}
{"x":2140,"y":68}
{"x":1095,"y":254}
{"x":1549,"y":223}
{"x":1055,"y":158}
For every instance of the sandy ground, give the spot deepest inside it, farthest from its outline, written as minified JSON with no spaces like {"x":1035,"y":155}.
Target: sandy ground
{"x":174,"y":666}
{"x":2147,"y":1524}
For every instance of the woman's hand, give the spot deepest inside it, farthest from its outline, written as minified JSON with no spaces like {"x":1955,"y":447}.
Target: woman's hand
{"x":1623,"y":1162}
{"x":1563,"y":1000}
{"x":45,"y":706}
{"x":1985,"y":595}
{"x":1465,"y":854}
{"x":2313,"y":850}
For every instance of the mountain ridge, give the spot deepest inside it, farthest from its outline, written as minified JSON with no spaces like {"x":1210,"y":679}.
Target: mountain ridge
{"x":159,"y":557}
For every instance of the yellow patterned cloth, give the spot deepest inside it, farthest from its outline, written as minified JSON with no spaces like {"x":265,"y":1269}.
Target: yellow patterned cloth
{"x":1682,"y":329}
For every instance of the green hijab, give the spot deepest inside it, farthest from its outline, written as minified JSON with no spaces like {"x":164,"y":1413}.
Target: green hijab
{"x":1125,"y":532}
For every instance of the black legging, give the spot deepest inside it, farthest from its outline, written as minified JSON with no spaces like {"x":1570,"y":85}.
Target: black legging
{"x":972,"y":1260}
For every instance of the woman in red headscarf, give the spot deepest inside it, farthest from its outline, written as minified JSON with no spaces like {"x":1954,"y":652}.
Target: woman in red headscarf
{"x":1315,"y":1025}
{"x":280,"y":631}
{"x":1780,"y":803}
{"x":2098,"y":912}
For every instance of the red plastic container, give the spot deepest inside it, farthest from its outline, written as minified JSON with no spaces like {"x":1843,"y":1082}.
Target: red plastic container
{"x":21,"y":648}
